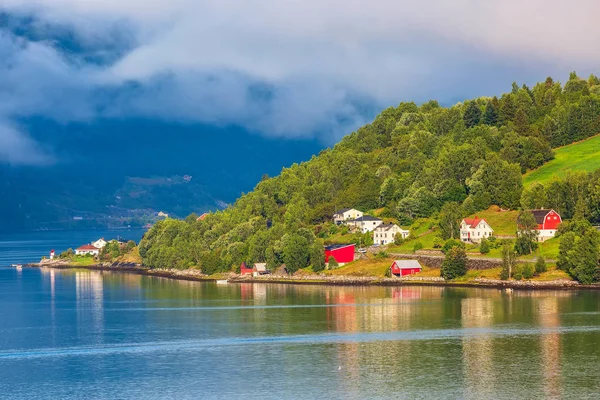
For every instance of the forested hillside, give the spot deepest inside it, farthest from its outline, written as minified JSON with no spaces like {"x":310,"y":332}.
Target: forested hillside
{"x":407,"y":164}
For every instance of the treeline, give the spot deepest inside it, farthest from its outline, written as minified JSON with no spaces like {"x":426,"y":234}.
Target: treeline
{"x":409,"y":162}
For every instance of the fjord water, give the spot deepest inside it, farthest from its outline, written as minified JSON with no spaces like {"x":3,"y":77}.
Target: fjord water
{"x":28,"y":247}
{"x":109,"y":335}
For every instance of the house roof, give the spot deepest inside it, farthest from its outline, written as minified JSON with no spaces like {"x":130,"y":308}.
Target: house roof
{"x":473,"y":222}
{"x":202,"y":217}
{"x":407,"y":264}
{"x":343,"y":210}
{"x":260,"y":267}
{"x":366,"y":218}
{"x":540,"y":215}
{"x":387,"y":227}
{"x":88,"y":247}
{"x":338,"y":246}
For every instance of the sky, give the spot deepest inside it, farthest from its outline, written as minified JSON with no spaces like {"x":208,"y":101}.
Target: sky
{"x":277,"y":68}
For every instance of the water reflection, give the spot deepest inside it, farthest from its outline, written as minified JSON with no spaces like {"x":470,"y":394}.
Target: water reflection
{"x":89,"y":294}
{"x":550,"y":347}
{"x":132,"y":336}
{"x":478,"y":364}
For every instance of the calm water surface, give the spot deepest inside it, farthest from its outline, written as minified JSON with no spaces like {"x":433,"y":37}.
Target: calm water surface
{"x":27,"y":247}
{"x":108,"y":335}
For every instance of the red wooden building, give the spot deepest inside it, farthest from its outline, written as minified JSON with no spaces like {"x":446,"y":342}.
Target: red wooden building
{"x":405,"y":267}
{"x":244,"y":270}
{"x":548,"y":222}
{"x":343,"y":253}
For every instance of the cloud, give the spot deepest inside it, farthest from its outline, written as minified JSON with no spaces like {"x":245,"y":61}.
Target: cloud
{"x":16,"y":148}
{"x":287,"y":68}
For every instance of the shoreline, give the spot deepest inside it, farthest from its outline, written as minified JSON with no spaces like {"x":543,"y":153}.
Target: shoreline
{"x":328,"y":280}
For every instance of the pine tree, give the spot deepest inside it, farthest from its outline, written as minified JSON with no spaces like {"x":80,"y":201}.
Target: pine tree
{"x":490,"y":114}
{"x":521,"y":122}
{"x":472,"y":115}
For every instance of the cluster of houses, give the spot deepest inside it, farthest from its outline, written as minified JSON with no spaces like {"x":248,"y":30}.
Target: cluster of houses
{"x":383,"y":234}
{"x":93,"y":248}
{"x":473,"y":230}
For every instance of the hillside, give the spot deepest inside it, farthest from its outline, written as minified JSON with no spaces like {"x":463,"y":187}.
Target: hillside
{"x":412,"y":162}
{"x":117,"y":173}
{"x":580,"y":156}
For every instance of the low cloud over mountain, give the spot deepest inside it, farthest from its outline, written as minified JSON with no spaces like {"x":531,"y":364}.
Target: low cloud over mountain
{"x":279,"y":68}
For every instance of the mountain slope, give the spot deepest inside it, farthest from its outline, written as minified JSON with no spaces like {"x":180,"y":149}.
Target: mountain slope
{"x":580,"y":156}
{"x":410,"y":161}
{"x":115,"y":172}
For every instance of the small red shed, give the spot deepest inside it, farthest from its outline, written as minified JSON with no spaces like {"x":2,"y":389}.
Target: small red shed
{"x":244,"y":270}
{"x":405,"y":267}
{"x":343,"y":253}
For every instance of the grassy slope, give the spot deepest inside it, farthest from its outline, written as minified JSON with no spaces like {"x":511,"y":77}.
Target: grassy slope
{"x":580,"y":156}
{"x":503,"y":222}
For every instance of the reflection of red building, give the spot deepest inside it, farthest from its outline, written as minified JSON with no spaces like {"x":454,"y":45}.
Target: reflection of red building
{"x":343,"y":253}
{"x":405,"y":267}
{"x":244,"y":270}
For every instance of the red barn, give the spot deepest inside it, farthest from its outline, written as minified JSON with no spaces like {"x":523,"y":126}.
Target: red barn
{"x":244,"y":270}
{"x":343,"y":253}
{"x":405,"y":267}
{"x":548,"y":222}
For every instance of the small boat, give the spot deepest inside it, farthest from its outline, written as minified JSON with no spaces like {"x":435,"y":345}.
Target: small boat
{"x":508,"y":290}
{"x":222,"y":282}
{"x":18,"y":266}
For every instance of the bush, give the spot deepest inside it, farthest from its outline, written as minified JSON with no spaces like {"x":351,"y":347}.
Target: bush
{"x":388,"y":272}
{"x":484,"y":247}
{"x":518,"y":272}
{"x":381,"y":255}
{"x":438,"y":242}
{"x":67,"y":254}
{"x":417,"y":246}
{"x":333,"y":264}
{"x":452,"y":243}
{"x":398,"y":240}
{"x":528,"y":271}
{"x":540,"y":265}
{"x":455,"y":263}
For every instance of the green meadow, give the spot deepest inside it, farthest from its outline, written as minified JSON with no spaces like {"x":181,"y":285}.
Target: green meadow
{"x":580,"y":156}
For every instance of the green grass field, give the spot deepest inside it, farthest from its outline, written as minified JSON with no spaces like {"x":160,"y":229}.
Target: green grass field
{"x":502,"y":222}
{"x":581,"y":156}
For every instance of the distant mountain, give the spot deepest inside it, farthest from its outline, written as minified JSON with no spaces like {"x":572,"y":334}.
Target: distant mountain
{"x":114,"y":173}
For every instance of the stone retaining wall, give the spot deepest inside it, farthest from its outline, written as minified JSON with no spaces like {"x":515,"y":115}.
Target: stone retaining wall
{"x":436,"y":261}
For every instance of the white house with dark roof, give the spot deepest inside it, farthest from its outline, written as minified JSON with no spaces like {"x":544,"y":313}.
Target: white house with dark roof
{"x":346,"y":214}
{"x":385,"y":234}
{"x":474,"y":229}
{"x":366,"y":223}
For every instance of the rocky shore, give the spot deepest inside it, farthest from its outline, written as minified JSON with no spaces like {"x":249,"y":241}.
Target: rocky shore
{"x":196,"y":275}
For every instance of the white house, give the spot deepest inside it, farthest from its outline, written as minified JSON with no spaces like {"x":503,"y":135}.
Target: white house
{"x":366,"y":223}
{"x":474,"y":229}
{"x":87,"y":249}
{"x":386,"y":233}
{"x":346,"y":214}
{"x":100,"y":243}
